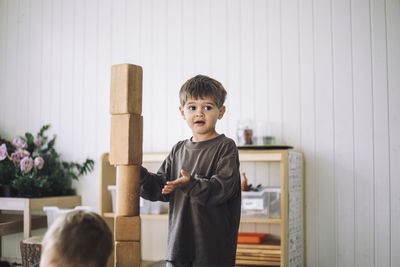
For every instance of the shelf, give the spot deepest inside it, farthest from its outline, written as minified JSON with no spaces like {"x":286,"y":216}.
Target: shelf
{"x":260,"y":155}
{"x":267,"y":253}
{"x":260,"y":220}
{"x":154,"y":156}
{"x":142,"y":216}
{"x":165,"y":217}
{"x":14,"y":223}
{"x":256,"y":263}
{"x":244,"y":155}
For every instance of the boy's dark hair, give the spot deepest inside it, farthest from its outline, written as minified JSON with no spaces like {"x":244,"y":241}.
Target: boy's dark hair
{"x":78,"y":238}
{"x":202,"y":86}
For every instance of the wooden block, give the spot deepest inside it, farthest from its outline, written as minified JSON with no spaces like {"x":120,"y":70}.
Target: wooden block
{"x":126,"y":89}
{"x":126,"y":139}
{"x":127,"y":228}
{"x":128,"y":190}
{"x":127,"y":253}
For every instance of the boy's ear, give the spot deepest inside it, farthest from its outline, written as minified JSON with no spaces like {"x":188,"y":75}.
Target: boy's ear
{"x":221,"y":112}
{"x":182,"y":112}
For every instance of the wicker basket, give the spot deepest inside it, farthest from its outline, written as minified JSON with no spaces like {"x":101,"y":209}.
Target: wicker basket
{"x":31,"y":249}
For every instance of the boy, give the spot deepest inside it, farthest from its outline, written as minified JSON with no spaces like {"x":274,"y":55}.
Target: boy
{"x":77,"y":239}
{"x":200,"y":178}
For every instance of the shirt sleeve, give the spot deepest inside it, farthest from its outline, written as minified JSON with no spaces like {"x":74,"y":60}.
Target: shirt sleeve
{"x":222,"y":186}
{"x":152,"y":183}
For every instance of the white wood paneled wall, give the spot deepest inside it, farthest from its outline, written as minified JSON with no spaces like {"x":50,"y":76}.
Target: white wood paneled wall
{"x":325,"y":74}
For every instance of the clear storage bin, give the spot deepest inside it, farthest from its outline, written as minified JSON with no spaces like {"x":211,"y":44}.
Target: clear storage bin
{"x":274,"y":195}
{"x":146,"y":206}
{"x":262,"y":204}
{"x":54,"y":212}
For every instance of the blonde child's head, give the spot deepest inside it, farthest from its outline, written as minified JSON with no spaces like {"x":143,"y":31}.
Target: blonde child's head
{"x":200,"y":87}
{"x":78,"y":238}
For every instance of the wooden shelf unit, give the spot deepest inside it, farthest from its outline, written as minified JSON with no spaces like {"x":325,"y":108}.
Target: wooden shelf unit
{"x":283,"y":157}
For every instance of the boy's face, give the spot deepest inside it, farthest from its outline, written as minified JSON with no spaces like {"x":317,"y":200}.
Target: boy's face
{"x":201,"y":115}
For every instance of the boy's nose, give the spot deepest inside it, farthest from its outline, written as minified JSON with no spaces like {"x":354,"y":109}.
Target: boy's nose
{"x":199,"y":112}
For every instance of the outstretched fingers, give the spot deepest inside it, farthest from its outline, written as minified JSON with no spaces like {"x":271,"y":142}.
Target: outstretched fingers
{"x":180,"y":182}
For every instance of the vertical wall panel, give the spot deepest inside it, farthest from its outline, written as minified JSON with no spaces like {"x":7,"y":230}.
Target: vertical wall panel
{"x":118,"y":33}
{"x":261,"y":89}
{"x":159,"y":67}
{"x":79,"y":40}
{"x":218,"y":57}
{"x":233,"y":63}
{"x":35,"y":65}
{"x":47,"y":52}
{"x":247,"y":55}
{"x":103,"y":76}
{"x":56,"y":66}
{"x":260,"y":73}
{"x":132,"y":31}
{"x":11,"y":69}
{"x":3,"y":63}
{"x":67,"y":104}
{"x":174,"y":72}
{"x":363,"y":132}
{"x":89,"y":87}
{"x":307,"y":145}
{"x":188,"y":39}
{"x":326,"y":236}
{"x":381,"y":134}
{"x":89,"y":90}
{"x":274,"y":69}
{"x":291,"y":108}
{"x":146,"y":44}
{"x":24,"y":49}
{"x":202,"y":36}
{"x":393,"y":61}
{"x":344,"y":154}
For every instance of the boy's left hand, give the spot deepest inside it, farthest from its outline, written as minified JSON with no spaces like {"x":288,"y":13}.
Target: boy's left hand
{"x":180,"y":182}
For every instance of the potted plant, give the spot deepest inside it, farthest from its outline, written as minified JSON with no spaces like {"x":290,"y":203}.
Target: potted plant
{"x":33,"y":167}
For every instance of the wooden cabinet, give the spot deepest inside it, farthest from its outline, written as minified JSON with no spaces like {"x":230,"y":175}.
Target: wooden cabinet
{"x":291,"y":223}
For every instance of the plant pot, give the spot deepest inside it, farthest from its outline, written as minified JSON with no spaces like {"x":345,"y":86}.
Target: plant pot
{"x":8,"y":191}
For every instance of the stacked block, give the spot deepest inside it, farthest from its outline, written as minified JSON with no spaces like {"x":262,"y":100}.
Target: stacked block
{"x":126,"y":154}
{"x":126,"y":89}
{"x":126,"y":139}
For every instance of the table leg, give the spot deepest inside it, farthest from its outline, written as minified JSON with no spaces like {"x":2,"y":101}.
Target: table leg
{"x":27,"y":220}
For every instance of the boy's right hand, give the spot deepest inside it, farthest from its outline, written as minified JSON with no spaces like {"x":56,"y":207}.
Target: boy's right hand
{"x":180,"y":182}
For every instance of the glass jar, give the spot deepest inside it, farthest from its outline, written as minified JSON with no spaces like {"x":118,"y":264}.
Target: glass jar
{"x":244,"y":133}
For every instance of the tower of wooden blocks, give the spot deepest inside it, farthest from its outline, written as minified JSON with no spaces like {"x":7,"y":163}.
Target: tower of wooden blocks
{"x":126,"y":155}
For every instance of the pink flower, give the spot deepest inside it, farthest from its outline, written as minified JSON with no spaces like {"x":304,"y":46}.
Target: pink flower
{"x":18,"y":155}
{"x":39,"y":162}
{"x":37,"y":141}
{"x":19,"y":143}
{"x":26,"y":164}
{"x":3,"y":152}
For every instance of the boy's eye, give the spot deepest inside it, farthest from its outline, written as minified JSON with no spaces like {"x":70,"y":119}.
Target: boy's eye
{"x":192,"y":108}
{"x":207,"y":107}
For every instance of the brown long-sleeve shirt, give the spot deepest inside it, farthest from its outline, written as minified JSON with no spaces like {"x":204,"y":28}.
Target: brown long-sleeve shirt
{"x":204,"y":215}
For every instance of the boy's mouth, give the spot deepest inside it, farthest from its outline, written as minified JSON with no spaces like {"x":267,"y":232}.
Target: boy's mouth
{"x":199,"y":122}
